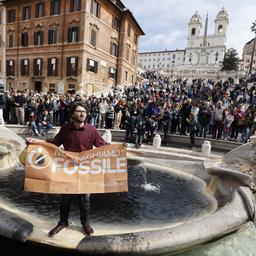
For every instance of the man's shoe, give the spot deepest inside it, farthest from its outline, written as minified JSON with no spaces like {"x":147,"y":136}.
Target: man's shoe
{"x":87,"y":229}
{"x":57,"y":229}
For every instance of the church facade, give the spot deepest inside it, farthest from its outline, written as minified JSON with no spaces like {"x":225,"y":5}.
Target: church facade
{"x":203,"y":53}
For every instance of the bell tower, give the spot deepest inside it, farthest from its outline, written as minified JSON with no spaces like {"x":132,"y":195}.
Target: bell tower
{"x":221,"y":22}
{"x":194,"y":25}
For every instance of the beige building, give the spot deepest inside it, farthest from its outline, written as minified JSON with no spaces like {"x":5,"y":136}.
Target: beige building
{"x":2,"y":44}
{"x":54,"y":45}
{"x":247,"y":55}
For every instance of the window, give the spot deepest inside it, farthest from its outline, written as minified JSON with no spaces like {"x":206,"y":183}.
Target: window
{"x":52,"y":67}
{"x":24,"y":39}
{"x":216,"y":56}
{"x":11,"y":16}
{"x":26,"y":12}
{"x":52,"y":88}
{"x":24,"y":70}
{"x":73,"y":34}
{"x":112,"y":72}
{"x":71,"y":88}
{"x":135,"y":39}
{"x":92,"y":65}
{"x":193,"y":31}
{"x":95,"y":8}
{"x":38,"y":38}
{"x":116,"y":23}
{"x":126,"y":75}
{"x":38,"y":67}
{"x":10,"y":68}
{"x":11,"y":40}
{"x":173,"y":56}
{"x":52,"y":36}
{"x":127,"y":52}
{"x":134,"y":58}
{"x":72,"y":66}
{"x":75,"y":5}
{"x":129,"y":30}
{"x":220,"y":29}
{"x":39,"y":12}
{"x":113,"y":49}
{"x":55,"y":7}
{"x":93,"y":40}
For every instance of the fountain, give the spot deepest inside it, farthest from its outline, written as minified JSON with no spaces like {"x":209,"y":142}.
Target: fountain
{"x":176,"y":200}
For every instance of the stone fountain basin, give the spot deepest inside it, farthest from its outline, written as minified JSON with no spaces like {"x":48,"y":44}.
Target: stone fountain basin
{"x":232,"y":206}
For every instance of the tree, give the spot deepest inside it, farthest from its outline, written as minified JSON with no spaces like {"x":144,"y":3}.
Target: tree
{"x":253,"y":29}
{"x":230,"y":61}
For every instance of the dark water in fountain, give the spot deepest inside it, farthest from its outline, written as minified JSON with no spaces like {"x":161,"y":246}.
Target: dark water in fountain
{"x":176,"y":200}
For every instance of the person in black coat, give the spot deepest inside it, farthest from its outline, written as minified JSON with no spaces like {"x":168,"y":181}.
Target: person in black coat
{"x":2,"y":104}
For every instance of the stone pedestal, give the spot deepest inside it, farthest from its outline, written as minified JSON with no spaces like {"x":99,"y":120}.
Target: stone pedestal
{"x":206,"y":148}
{"x":157,"y":141}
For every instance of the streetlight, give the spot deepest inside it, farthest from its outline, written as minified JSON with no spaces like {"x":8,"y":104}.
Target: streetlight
{"x":253,"y":29}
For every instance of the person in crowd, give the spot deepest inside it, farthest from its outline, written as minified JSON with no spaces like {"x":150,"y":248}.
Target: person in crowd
{"x":19,"y":102}
{"x":45,"y":122}
{"x":193,"y":127}
{"x":167,"y":119}
{"x":218,"y":121}
{"x":140,"y":126}
{"x":34,"y":124}
{"x":2,"y":104}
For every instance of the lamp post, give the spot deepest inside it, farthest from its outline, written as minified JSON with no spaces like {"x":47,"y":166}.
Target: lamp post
{"x":253,"y":29}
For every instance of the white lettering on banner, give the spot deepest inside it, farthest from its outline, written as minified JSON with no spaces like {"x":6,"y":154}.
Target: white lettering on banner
{"x":84,"y":167}
{"x":66,"y":168}
{"x":96,"y":166}
{"x":103,"y":154}
{"x":56,"y":163}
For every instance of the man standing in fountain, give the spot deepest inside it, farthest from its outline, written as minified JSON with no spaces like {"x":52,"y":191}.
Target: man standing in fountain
{"x":76,"y":136}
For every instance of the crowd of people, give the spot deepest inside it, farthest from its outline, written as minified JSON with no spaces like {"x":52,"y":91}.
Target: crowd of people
{"x":210,"y":109}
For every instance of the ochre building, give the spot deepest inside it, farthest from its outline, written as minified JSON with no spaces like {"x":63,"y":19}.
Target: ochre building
{"x":54,"y":45}
{"x":247,"y":56}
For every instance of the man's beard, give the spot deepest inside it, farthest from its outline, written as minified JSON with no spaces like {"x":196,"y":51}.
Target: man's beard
{"x":79,"y":120}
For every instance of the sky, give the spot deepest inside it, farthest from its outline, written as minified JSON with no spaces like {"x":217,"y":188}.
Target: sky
{"x":165,"y":22}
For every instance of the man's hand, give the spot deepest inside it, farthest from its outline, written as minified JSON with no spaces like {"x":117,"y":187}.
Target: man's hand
{"x":28,"y":141}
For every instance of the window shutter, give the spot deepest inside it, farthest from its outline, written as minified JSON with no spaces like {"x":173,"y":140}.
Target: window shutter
{"x":22,"y":68}
{"x":92,"y":6}
{"x":71,"y":5}
{"x":29,"y":12}
{"x":99,"y":11}
{"x":69,"y":35}
{"x":78,"y":34}
{"x":42,"y":67}
{"x":27,"y":71}
{"x":13,"y":68}
{"x":87,"y":65}
{"x":35,"y":36}
{"x":68,"y":66}
{"x":59,"y":5}
{"x":41,"y":38}
{"x":76,"y":70}
{"x":56,"y":67}
{"x":43,"y":7}
{"x":34,"y":67}
{"x":95,"y":67}
{"x":49,"y":36}
{"x":52,"y":7}
{"x":49,"y":68}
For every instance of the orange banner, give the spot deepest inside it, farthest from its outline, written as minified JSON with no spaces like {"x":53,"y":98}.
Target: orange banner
{"x":48,"y":169}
